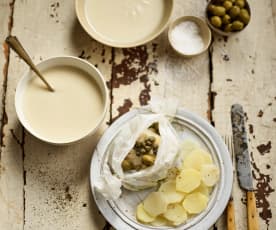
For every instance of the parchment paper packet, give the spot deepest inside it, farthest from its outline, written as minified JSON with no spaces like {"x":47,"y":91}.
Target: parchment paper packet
{"x":113,"y":177}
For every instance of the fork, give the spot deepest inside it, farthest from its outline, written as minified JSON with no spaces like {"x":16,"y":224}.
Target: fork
{"x":230,"y":206}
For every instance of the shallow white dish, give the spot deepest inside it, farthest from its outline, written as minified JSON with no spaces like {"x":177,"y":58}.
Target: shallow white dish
{"x":92,"y":71}
{"x":109,"y":15}
{"x":121,"y":213}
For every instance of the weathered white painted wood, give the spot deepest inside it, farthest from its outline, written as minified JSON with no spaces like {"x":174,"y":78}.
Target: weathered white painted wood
{"x":56,"y":191}
{"x":11,"y":173}
{"x":56,"y":181}
{"x":168,"y":74}
{"x":244,"y":72}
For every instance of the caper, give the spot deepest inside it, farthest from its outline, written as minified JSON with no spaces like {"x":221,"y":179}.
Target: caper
{"x":227,"y":4}
{"x":143,"y":150}
{"x":148,"y":159}
{"x":216,"y":21}
{"x":148,"y":148}
{"x":126,"y":165}
{"x":234,"y":11}
{"x":226,"y":19}
{"x":211,"y":7}
{"x":240,"y":3}
{"x":219,"y":11}
{"x":148,"y":143}
{"x":244,"y":16}
{"x":228,"y":27}
{"x":237,"y":25}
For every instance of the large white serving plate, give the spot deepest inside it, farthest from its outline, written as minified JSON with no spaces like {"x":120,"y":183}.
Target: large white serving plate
{"x":121,"y":213}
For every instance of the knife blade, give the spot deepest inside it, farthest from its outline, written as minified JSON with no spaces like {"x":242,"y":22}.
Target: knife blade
{"x":244,"y":172}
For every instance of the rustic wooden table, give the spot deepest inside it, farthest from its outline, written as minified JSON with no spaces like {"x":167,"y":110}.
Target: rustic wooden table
{"x":47,"y":187}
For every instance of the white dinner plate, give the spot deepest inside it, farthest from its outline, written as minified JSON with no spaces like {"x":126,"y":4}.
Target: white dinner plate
{"x":121,"y":213}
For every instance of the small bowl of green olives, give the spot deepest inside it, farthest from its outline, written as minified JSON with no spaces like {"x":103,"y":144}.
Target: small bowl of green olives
{"x":226,"y":17}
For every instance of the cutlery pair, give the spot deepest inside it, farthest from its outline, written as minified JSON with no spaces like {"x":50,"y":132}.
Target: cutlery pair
{"x":238,"y":148}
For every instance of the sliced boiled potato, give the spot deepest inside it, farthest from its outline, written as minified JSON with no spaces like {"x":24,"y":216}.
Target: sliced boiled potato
{"x":197,"y":158}
{"x":169,"y":190}
{"x":155,"y":204}
{"x":187,"y":180}
{"x":207,"y":157}
{"x":188,"y":146}
{"x":193,"y":160}
{"x":172,"y":173}
{"x":209,"y":174}
{"x":160,"y":221}
{"x":142,"y":215}
{"x":176,"y":214}
{"x":202,"y":188}
{"x":195,"y":202}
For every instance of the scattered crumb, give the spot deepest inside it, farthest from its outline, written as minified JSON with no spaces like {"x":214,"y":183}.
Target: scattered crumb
{"x":229,"y":79}
{"x":251,"y":128}
{"x":226,"y":57}
{"x":260,"y":113}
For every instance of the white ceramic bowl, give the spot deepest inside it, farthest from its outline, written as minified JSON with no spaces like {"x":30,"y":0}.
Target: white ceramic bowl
{"x":50,"y":63}
{"x":80,"y":6}
{"x":204,"y":30}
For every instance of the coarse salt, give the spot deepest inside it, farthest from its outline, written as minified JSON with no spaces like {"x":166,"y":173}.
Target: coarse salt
{"x":186,"y":38}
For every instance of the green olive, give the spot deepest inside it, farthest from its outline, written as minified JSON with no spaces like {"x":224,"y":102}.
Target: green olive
{"x":226,"y":19}
{"x":228,"y":27}
{"x":219,"y":11}
{"x":211,"y":7}
{"x":126,"y":165}
{"x":216,"y":21}
{"x":244,"y":16}
{"x":240,"y":3}
{"x":237,"y":25}
{"x":234,"y":11}
{"x":227,"y":4}
{"x":148,"y":159}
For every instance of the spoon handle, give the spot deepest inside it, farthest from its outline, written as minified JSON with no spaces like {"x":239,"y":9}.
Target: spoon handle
{"x":18,"y":48}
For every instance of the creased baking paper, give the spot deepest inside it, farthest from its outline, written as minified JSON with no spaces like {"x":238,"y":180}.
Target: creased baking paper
{"x":112,"y":178}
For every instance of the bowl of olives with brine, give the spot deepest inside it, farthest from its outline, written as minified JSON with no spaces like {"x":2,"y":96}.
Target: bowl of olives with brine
{"x":226,"y":17}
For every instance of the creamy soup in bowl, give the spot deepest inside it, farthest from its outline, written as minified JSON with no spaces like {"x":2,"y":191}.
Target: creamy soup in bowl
{"x":73,"y":111}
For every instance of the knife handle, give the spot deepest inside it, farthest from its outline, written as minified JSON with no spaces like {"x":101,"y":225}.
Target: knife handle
{"x":231,"y":225}
{"x":252,"y":213}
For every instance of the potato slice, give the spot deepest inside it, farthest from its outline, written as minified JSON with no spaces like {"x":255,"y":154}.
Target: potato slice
{"x":202,"y":188}
{"x":172,"y":173}
{"x":169,"y":190}
{"x":142,"y":215}
{"x":155,"y":203}
{"x":159,"y":221}
{"x":188,"y":180}
{"x":209,"y":174}
{"x":188,"y":146}
{"x":197,"y":158}
{"x":195,"y":203}
{"x":176,"y":214}
{"x":207,"y":157}
{"x":193,"y":160}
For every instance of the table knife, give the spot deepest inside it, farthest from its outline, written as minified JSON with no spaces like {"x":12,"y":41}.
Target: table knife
{"x":244,"y":172}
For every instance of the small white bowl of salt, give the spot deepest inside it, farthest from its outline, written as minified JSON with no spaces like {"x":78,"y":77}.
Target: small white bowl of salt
{"x":189,"y":36}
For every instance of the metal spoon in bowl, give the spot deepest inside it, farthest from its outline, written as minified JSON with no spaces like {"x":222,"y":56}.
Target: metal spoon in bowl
{"x":14,"y":43}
